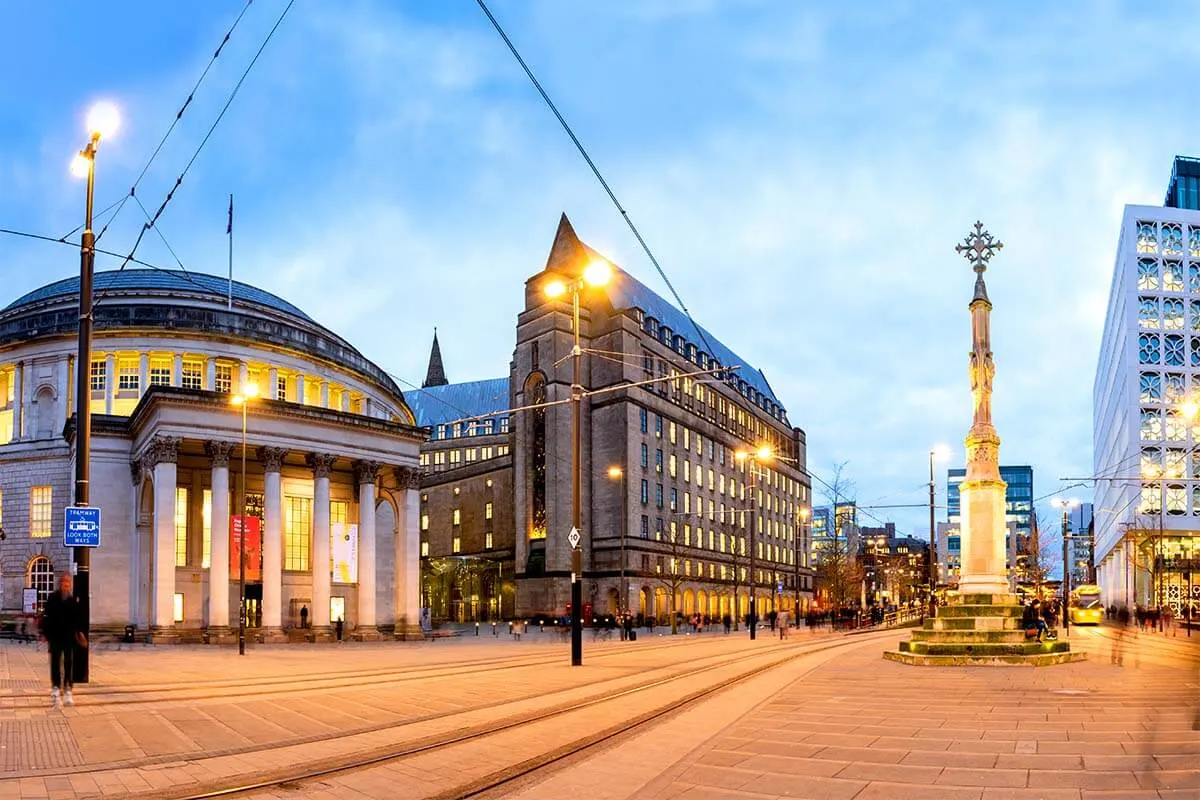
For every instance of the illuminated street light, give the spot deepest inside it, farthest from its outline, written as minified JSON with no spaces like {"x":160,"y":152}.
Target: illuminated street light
{"x":595,"y":274}
{"x":939,"y":452}
{"x":762,"y":453}
{"x":617,"y":474}
{"x":243,"y":398}
{"x":102,"y":122}
{"x":1066,"y":504}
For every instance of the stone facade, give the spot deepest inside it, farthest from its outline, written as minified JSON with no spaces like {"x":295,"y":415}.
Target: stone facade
{"x":329,"y":441}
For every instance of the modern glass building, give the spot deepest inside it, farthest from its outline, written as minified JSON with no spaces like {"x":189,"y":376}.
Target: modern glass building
{"x":1147,"y":502}
{"x":1018,"y":499}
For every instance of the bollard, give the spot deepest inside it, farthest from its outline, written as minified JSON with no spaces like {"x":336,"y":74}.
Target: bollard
{"x":494,"y":630}
{"x":476,"y":628}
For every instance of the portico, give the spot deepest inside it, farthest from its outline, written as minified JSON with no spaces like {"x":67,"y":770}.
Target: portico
{"x":311,"y":473}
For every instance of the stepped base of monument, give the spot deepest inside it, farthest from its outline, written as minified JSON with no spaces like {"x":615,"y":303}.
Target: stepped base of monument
{"x":979,"y":630}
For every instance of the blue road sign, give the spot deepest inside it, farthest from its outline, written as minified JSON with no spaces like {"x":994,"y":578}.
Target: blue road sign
{"x":82,"y":527}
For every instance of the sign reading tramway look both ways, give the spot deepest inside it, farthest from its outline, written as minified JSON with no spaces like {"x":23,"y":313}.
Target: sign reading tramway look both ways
{"x":81,"y":527}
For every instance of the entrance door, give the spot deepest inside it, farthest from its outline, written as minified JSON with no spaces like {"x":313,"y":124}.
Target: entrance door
{"x":254,"y":592}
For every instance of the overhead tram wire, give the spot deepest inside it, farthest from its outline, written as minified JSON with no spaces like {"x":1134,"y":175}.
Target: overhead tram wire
{"x":158,"y":230}
{"x":179,"y":181}
{"x":39,"y":237}
{"x":595,"y":171}
{"x":178,"y":115}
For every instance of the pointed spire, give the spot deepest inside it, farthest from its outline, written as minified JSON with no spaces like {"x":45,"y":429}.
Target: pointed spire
{"x":568,"y":255}
{"x":980,"y":290}
{"x":436,"y":374}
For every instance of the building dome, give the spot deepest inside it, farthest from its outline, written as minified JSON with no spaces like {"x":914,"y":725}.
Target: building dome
{"x":174,"y":303}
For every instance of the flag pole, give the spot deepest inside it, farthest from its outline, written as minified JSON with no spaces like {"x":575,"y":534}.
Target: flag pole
{"x":229,"y":230}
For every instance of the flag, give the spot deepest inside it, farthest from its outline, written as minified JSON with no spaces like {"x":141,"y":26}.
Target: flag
{"x":229,"y":227}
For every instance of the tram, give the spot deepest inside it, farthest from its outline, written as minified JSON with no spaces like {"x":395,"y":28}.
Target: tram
{"x":1086,"y":608}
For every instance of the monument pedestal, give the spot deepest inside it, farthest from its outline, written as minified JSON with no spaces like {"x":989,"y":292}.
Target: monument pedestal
{"x":979,"y":630}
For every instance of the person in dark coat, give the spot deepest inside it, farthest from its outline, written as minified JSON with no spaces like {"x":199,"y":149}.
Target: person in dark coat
{"x":63,"y":629}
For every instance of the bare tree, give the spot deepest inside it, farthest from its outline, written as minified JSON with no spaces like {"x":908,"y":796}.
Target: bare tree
{"x":670,"y":573}
{"x":837,"y":567}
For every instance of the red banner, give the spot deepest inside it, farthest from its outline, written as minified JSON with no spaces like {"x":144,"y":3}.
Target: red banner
{"x":253,"y":547}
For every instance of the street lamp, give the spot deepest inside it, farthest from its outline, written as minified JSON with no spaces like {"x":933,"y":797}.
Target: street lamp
{"x":243,"y":398}
{"x":1066,"y":504}
{"x":939,"y":452}
{"x":596,"y":273}
{"x":801,"y":546}
{"x":618,"y":474}
{"x":102,"y":122}
{"x":762,"y":453}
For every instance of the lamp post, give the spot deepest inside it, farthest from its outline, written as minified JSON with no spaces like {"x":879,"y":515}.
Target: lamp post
{"x":597,"y":273}
{"x":102,"y":121}
{"x":1066,"y":504}
{"x":243,"y":398}
{"x":801,"y":547}
{"x":618,"y":474}
{"x":937,"y":452}
{"x":763,"y":453}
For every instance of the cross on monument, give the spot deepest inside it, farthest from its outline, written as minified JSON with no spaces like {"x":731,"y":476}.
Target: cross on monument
{"x":978,"y":246}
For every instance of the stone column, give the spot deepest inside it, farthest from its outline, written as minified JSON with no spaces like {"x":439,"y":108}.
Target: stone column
{"x":324,"y":394}
{"x":243,"y":376}
{"x":367,"y":472}
{"x":177,"y":370}
{"x":63,"y":373}
{"x":408,"y":554}
{"x":161,"y":458}
{"x":299,"y":387}
{"x":210,"y":374}
{"x":272,"y":392}
{"x":27,"y":426}
{"x":318,"y":612}
{"x":18,"y":399}
{"x":110,"y":382}
{"x":272,"y":546}
{"x":218,"y":571}
{"x":143,"y":373}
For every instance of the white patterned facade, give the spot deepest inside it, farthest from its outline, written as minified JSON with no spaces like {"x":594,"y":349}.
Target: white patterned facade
{"x":1147,"y":502}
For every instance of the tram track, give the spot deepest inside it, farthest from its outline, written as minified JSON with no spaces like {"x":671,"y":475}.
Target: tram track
{"x":227,"y":689}
{"x":296,"y":780}
{"x":413,"y":721}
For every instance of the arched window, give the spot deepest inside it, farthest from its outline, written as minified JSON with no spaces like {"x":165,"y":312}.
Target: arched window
{"x":40,"y":575}
{"x":45,"y":409}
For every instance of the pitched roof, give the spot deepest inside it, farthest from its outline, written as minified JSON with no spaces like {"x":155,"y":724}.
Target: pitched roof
{"x":436,"y":405}
{"x":569,"y":256}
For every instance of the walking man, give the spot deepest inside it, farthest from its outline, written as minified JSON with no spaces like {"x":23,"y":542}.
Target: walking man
{"x":62,"y":627}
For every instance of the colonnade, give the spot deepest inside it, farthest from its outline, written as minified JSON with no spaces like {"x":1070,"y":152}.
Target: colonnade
{"x":160,"y":462}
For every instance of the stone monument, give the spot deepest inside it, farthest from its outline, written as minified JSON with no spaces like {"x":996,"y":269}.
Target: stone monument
{"x":982,"y":625}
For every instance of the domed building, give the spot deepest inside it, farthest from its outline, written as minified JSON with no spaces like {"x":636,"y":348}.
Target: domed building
{"x":321,"y":463}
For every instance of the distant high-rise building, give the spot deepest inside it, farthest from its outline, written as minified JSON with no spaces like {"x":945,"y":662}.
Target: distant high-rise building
{"x":1079,"y":526}
{"x":1147,"y":503}
{"x":1018,"y":498}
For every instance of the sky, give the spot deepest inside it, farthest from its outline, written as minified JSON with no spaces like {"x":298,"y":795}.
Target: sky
{"x":802,"y":171}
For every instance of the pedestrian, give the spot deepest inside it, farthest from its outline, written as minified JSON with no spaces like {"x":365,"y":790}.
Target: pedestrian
{"x":62,"y":627}
{"x":303,"y":616}
{"x":783,"y":624}
{"x":337,"y":628}
{"x":1119,"y":631}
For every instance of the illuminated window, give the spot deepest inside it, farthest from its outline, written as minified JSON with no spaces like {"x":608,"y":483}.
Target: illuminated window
{"x":206,"y":523}
{"x":223,"y":378}
{"x":181,"y":525}
{"x":41,"y":500}
{"x":160,"y":372}
{"x":424,"y":522}
{"x":127,"y":377}
{"x":297,"y":533}
{"x":339,"y":512}
{"x":40,"y":576}
{"x":425,"y":549}
{"x":456,"y":517}
{"x":487,"y":510}
{"x":281,"y":382}
{"x":99,"y":377}
{"x":487,"y":540}
{"x":178,"y":607}
{"x":192,"y":377}
{"x":456,"y":545}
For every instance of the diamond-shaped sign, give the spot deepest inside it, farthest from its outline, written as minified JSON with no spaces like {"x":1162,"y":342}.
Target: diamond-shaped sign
{"x":573,"y":538}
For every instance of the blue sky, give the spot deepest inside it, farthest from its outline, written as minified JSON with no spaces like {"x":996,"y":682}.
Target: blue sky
{"x":801,"y":170}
